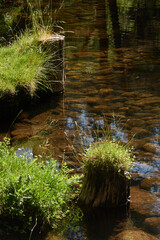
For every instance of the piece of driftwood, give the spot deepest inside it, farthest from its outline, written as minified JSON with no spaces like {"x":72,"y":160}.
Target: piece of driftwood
{"x":54,"y":45}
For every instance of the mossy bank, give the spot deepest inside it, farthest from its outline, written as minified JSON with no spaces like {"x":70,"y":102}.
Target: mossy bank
{"x":28,"y":70}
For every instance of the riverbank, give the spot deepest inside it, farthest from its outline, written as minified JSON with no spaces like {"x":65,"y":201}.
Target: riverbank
{"x":31,"y":67}
{"x":34,"y":194}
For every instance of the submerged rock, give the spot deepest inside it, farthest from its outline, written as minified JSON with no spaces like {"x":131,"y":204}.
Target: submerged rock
{"x":21,"y":131}
{"x":144,"y":202}
{"x":135,"y":122}
{"x":140,"y":132}
{"x":152,"y":224}
{"x":148,"y":182}
{"x":133,"y":234}
{"x":53,"y":237}
{"x":152,"y":147}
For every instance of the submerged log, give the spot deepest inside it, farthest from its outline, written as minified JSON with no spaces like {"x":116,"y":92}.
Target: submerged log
{"x":54,"y":45}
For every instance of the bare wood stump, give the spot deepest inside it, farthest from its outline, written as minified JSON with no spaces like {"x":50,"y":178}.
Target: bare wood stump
{"x":54,"y":45}
{"x":103,"y":187}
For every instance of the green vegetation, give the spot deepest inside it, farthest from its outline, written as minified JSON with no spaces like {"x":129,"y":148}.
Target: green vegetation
{"x":23,"y":64}
{"x":108,"y":154}
{"x":33,"y":194}
{"x":106,"y":180}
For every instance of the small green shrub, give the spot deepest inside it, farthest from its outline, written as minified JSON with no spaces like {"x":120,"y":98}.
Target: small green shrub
{"x":108,"y":154}
{"x":33,"y":193}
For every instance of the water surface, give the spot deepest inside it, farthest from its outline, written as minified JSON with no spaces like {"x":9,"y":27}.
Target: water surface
{"x":112,"y":80}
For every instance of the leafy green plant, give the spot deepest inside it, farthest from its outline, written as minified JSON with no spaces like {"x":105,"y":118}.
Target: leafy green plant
{"x":33,"y":194}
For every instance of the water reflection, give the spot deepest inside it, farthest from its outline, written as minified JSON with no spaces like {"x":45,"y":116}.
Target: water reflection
{"x":25,"y":152}
{"x":112,"y":67}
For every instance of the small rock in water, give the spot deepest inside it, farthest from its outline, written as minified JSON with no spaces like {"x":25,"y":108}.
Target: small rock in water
{"x":153,"y":224}
{"x":133,"y":235}
{"x":152,"y":147}
{"x":144,"y":202}
{"x":21,"y":131}
{"x":148,"y":182}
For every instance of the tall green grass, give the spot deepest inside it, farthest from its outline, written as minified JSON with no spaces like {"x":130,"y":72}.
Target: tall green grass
{"x":32,"y":194}
{"x":23,"y":64}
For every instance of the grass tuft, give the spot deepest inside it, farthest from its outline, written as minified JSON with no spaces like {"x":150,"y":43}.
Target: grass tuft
{"x":108,"y":154}
{"x":22,"y":64}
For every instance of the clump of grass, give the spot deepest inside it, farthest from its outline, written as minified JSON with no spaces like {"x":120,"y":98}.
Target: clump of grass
{"x":106,"y":178}
{"x":32,"y":194}
{"x":108,"y":154}
{"x":23,"y":65}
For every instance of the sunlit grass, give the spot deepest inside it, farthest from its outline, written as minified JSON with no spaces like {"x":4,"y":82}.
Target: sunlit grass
{"x":108,"y":154}
{"x":22,"y":64}
{"x":33,"y":192}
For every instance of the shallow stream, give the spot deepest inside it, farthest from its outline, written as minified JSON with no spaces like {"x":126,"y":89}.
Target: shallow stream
{"x":112,"y":58}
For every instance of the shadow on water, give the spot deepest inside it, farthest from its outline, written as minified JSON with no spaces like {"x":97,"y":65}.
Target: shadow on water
{"x":99,"y":224}
{"x":112,"y":68}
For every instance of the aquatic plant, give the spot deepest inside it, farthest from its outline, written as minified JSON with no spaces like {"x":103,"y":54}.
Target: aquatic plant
{"x":106,"y":167}
{"x":33,"y":194}
{"x":107,"y":153}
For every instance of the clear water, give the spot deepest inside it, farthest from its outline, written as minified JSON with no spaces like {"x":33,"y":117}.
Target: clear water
{"x":112,"y":58}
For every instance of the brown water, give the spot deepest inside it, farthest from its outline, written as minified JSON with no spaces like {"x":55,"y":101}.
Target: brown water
{"x":113,"y":80}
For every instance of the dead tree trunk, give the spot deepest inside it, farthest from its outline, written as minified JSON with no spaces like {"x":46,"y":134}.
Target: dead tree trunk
{"x":103,"y":187}
{"x":54,"y":45}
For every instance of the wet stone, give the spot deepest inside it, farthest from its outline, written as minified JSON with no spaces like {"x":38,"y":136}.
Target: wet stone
{"x":153,"y":121}
{"x":129,"y":94}
{"x":135,"y":175}
{"x":140,"y":132}
{"x":144,"y":202}
{"x":147,"y":156}
{"x":138,"y":143}
{"x":146,"y":95}
{"x":91,"y":99}
{"x":21,"y":131}
{"x":152,"y":147}
{"x":152,"y":224}
{"x":135,"y":122}
{"x":106,"y":91}
{"x":52,"y":236}
{"x":114,"y":115}
{"x":132,"y":235}
{"x":150,"y":100}
{"x":118,"y":105}
{"x":146,"y":116}
{"x":148,"y":182}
